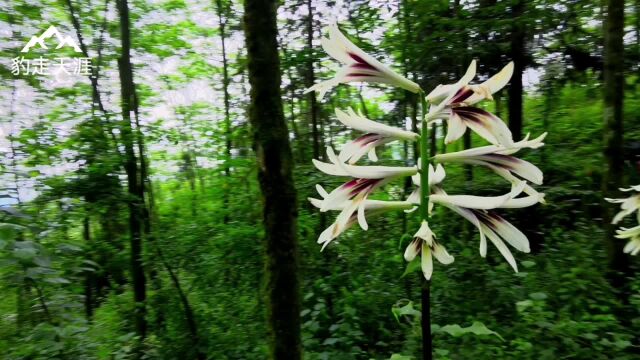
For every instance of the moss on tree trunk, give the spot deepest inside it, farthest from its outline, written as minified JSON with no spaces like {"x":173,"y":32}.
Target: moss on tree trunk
{"x":271,"y":144}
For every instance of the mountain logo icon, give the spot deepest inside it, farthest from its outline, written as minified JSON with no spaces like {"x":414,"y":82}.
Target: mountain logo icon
{"x":50,"y":32}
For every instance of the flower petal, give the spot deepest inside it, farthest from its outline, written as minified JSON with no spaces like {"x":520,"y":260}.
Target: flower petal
{"x":427,"y":261}
{"x":359,"y":66}
{"x":492,"y":85}
{"x":485,"y":124}
{"x":455,"y":128}
{"x":470,"y":201}
{"x":441,"y":254}
{"x":413,"y":249}
{"x":442,"y":94}
{"x":500,"y":245}
{"x":361,"y":123}
{"x":509,"y":233}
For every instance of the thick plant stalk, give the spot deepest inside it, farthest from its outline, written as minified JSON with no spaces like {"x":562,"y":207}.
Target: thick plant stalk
{"x":427,"y":345}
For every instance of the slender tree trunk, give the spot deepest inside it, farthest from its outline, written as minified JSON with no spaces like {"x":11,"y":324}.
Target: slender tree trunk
{"x":310,"y":80}
{"x":518,"y":56}
{"x":638,"y":27}
{"x":549,"y":96}
{"x":94,"y":76}
{"x":189,"y":314}
{"x":292,"y":107}
{"x":89,"y":277}
{"x":313,"y":104}
{"x":613,"y":137}
{"x":227,"y":117}
{"x":271,"y":144}
{"x":136,"y":202}
{"x":23,"y":291}
{"x":410,"y":110}
{"x":466,"y":143}
{"x":363,"y":104}
{"x":498,"y":100}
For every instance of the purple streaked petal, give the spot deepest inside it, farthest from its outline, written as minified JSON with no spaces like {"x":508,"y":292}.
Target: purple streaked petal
{"x":363,"y":66}
{"x":367,"y":138}
{"x":462,"y":94}
{"x":361,"y":61}
{"x":359,"y":74}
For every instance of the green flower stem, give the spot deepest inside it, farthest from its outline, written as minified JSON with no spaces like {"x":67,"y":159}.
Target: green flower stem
{"x":427,"y":342}
{"x":424,"y":160}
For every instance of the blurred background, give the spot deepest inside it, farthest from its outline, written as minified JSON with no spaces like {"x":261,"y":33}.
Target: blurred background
{"x":83,"y":279}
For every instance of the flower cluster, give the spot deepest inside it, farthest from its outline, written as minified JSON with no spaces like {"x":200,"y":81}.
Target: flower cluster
{"x":454,"y":104}
{"x":629,"y":206}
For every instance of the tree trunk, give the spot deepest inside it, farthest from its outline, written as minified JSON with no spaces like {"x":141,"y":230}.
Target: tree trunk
{"x":613,"y":137}
{"x":135,"y":190}
{"x":89,"y":277}
{"x":292,"y":108}
{"x":518,"y":56}
{"x":227,"y":117}
{"x":271,"y":144}
{"x":189,"y":315}
{"x":311,"y":79}
{"x":638,"y":28}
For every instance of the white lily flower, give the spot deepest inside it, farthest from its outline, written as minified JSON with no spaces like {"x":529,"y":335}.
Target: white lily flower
{"x":498,"y":159}
{"x":338,"y":168}
{"x":376,"y":134}
{"x":355,"y":192}
{"x":439,"y":196}
{"x":633,"y":246}
{"x":491,"y":86}
{"x":631,"y":188}
{"x":454,"y":104}
{"x":443,"y":94}
{"x":474,"y":209}
{"x":497,"y":229}
{"x":463,"y":93}
{"x":485,"y":124}
{"x":359,"y":66}
{"x":435,"y":177}
{"x":424,"y":243}
{"x":348,"y":217}
{"x":628,"y":205}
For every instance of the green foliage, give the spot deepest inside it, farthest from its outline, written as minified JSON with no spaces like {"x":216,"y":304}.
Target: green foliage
{"x":477,"y":328}
{"x":64,"y":237}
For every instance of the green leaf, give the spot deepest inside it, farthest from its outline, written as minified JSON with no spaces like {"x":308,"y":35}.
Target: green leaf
{"x":477,"y":328}
{"x":57,"y":280}
{"x":528,"y":264}
{"x":43,"y":261}
{"x":404,"y":238}
{"x":538,"y":296}
{"x":401,"y":357}
{"x":406,"y":310}
{"x":413,"y":266}
{"x":25,"y":254}
{"x":330,"y":341}
{"x":524,"y":304}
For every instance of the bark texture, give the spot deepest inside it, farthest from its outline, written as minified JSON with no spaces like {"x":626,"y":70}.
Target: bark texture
{"x":132,"y":169}
{"x":613,"y":139}
{"x":518,"y":38}
{"x":273,"y":151}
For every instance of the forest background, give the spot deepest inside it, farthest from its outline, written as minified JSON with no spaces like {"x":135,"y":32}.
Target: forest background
{"x":131,"y":213}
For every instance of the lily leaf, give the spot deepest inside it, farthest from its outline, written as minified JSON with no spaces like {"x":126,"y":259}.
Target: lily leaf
{"x":401,"y":357}
{"x":476,"y":328}
{"x":406,"y":310}
{"x":412,"y":267}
